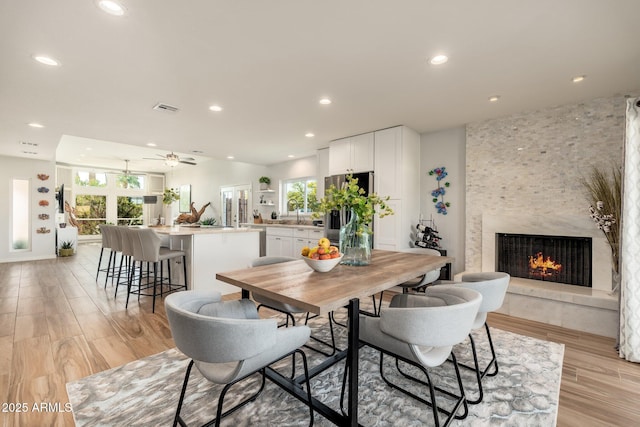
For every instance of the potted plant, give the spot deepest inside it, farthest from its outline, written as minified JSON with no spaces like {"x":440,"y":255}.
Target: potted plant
{"x":264,"y":182}
{"x":169,"y":196}
{"x":356,"y":213}
{"x":210,"y":221}
{"x":66,"y":248}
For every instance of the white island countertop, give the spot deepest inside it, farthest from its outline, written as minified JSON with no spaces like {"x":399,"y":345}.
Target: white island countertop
{"x":301,"y":226}
{"x":186,"y":230}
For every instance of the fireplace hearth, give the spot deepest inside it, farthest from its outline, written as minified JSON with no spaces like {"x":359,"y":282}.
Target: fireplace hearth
{"x":560,"y":259}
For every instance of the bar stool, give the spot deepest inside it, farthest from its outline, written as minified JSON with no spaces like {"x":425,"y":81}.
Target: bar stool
{"x":107,"y":243}
{"x":116,"y":248}
{"x":125,"y":236}
{"x":147,"y":249}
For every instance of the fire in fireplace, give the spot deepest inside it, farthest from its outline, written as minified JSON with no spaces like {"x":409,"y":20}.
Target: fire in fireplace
{"x":559,"y":259}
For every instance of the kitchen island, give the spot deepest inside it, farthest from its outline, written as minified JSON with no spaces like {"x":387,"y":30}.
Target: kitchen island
{"x":211,"y":250}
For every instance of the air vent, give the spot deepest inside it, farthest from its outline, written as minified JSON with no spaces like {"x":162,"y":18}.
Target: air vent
{"x":165,"y":107}
{"x":28,"y":144}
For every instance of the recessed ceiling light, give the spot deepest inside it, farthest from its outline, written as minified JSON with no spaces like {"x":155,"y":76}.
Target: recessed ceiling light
{"x":230,"y":157}
{"x":520,"y":148}
{"x":35,"y":125}
{"x":46,"y":60}
{"x":197,"y":151}
{"x":494,"y":98}
{"x":325,"y":101}
{"x":111,"y":7}
{"x":291,"y":156}
{"x":309,"y":134}
{"x":215,"y":108}
{"x":578,"y":79}
{"x":438,"y":60}
{"x":151,"y":144}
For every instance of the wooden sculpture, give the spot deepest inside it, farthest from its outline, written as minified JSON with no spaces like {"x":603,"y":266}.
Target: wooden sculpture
{"x":72,"y":214}
{"x":193,"y":217}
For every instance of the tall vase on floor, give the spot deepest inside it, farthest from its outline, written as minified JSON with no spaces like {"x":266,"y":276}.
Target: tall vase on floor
{"x":355,"y":242}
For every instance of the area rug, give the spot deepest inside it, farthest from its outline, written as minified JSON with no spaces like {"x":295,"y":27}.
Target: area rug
{"x":144,"y":393}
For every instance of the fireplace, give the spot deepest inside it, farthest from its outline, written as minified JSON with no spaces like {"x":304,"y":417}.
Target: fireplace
{"x":560,"y":259}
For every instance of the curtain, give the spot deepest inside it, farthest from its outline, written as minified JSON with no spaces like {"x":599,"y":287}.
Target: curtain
{"x":630,"y":238}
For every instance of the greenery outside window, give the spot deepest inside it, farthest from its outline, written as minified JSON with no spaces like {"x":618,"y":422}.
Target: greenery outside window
{"x":90,"y":179}
{"x":129,"y":210}
{"x":91,"y":211}
{"x":133,"y":182}
{"x":300,"y":195}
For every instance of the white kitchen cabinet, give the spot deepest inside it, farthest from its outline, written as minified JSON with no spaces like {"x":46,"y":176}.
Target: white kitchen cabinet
{"x":397,"y":175}
{"x":280,"y":241}
{"x":289,"y":241}
{"x":212,"y":252}
{"x":352,"y":154}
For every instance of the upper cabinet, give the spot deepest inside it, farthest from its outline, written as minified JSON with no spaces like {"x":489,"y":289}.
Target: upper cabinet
{"x":397,"y":155}
{"x":352,"y":154}
{"x":397,"y":175}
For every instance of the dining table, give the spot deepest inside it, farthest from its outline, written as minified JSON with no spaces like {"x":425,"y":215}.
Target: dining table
{"x":296,"y":283}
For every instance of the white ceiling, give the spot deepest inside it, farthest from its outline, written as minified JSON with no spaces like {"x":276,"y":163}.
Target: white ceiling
{"x":267,"y":63}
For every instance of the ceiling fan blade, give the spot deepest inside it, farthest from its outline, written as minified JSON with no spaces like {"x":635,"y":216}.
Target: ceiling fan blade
{"x":191,"y":159}
{"x":151,"y":158}
{"x":188,"y":163}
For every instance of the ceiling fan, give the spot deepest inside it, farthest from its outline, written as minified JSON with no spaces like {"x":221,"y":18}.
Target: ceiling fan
{"x":172,"y":159}
{"x":126,"y":171}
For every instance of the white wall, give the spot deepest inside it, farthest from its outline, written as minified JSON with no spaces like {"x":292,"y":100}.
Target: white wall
{"x":207,"y":177}
{"x":531,"y":164}
{"x":42,"y":245}
{"x":445,"y":148}
{"x":298,"y":168}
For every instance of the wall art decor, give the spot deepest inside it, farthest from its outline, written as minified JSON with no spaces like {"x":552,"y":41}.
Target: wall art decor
{"x":43,"y":216}
{"x":43,"y":176}
{"x":43,"y":190}
{"x":438,"y":194}
{"x":43,"y":203}
{"x":43,"y":230}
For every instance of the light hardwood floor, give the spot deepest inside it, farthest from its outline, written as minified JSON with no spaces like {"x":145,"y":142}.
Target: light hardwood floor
{"x":57,"y":325}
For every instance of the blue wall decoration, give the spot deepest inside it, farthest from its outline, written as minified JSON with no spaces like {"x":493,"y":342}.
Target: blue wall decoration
{"x":438,"y":194}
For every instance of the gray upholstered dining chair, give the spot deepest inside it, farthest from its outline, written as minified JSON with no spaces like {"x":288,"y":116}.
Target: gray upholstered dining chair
{"x":493,"y":288}
{"x":289,"y":310}
{"x":421,"y":331}
{"x":228,"y":342}
{"x":420,"y":282}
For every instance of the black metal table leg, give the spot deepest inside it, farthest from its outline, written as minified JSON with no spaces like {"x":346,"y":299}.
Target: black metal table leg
{"x":352,"y":360}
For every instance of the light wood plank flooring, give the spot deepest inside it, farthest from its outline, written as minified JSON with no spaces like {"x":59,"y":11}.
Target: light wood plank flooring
{"x":57,"y":325}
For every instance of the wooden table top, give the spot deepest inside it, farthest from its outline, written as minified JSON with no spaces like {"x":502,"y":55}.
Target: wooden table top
{"x":298,"y":284}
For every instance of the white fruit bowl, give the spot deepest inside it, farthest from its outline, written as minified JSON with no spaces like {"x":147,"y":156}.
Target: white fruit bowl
{"x":322,"y":265}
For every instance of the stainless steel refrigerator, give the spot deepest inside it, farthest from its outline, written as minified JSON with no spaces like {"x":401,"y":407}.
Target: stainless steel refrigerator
{"x":332,"y":221}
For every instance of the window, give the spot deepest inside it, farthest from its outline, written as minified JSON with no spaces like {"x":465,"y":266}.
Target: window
{"x":90,"y":179}
{"x":134,"y":182}
{"x":129,"y":210}
{"x":300,"y":195}
{"x":91,"y":211}
{"x":20,"y":215}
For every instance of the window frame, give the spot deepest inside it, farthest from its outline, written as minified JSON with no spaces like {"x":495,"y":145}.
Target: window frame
{"x":284,"y":201}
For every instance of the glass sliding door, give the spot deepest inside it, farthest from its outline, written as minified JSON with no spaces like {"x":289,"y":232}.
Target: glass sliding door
{"x":235,"y":204}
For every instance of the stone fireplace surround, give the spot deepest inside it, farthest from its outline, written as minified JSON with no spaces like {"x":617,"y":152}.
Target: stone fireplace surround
{"x":531,"y":164}
{"x":586,"y":309}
